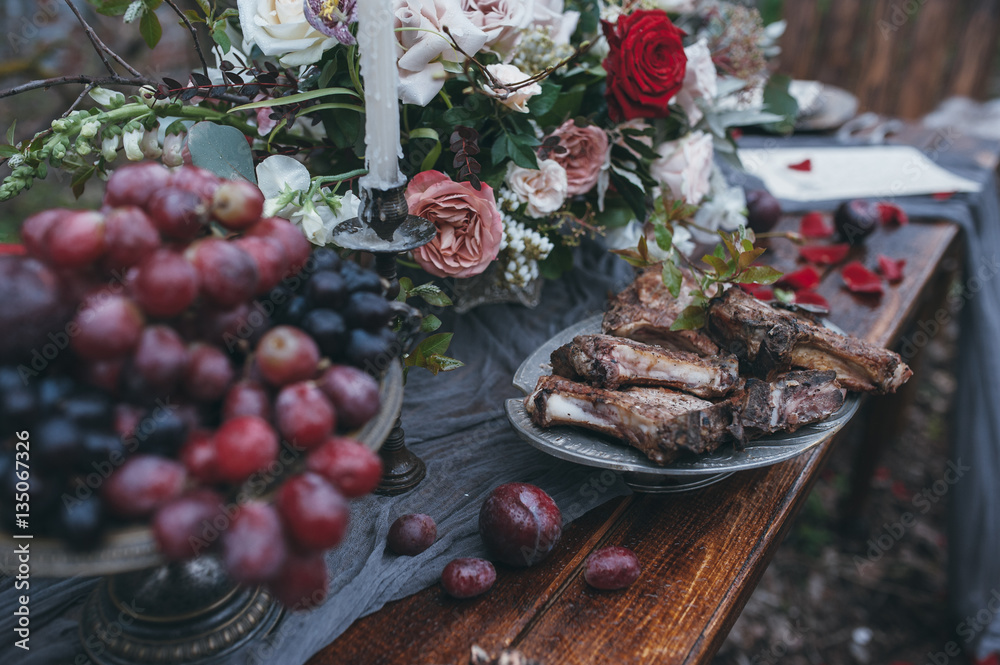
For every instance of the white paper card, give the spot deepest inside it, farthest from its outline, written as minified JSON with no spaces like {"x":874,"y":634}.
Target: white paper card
{"x":851,"y":172}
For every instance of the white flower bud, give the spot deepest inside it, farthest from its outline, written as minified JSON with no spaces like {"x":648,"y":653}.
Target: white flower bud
{"x":133,"y":11}
{"x":150,"y":145}
{"x":109,"y":147}
{"x":173,"y":149}
{"x":89,"y":129}
{"x":131,"y":140}
{"x":107,"y":98}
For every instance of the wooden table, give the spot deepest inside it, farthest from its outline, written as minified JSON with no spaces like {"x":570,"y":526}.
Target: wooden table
{"x":702,"y":552}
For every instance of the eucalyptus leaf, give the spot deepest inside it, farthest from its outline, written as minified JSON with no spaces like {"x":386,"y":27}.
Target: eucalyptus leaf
{"x":431,"y":294}
{"x":295,"y":99}
{"x":150,"y":28}
{"x":222,"y":150}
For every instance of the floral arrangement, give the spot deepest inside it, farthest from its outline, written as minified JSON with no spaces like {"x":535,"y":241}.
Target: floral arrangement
{"x":526,"y":125}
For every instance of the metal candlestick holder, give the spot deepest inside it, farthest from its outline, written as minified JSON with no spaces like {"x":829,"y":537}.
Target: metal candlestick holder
{"x":385,"y":228}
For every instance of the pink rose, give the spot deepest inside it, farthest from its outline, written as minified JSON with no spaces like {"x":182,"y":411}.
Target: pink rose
{"x":585,"y":156}
{"x":468,"y":223}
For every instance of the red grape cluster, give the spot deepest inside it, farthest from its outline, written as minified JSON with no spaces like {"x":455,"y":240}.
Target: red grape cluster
{"x":169,"y":386}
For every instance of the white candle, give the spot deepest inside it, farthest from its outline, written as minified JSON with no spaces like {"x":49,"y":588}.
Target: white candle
{"x":377,"y":47}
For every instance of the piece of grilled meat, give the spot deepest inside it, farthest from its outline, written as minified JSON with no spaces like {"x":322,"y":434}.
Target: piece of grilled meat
{"x":613,"y":362}
{"x":661,"y":423}
{"x":790,"y":401}
{"x":767,"y":340}
{"x":645,"y":310}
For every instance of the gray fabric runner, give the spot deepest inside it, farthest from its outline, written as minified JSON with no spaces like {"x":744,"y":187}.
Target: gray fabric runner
{"x":455,"y":422}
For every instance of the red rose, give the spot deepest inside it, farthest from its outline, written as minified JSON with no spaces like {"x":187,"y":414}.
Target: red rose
{"x":646,"y":64}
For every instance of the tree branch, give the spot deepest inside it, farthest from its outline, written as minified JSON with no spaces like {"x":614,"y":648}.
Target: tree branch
{"x":194,"y":34}
{"x":80,"y":78}
{"x":100,"y":46}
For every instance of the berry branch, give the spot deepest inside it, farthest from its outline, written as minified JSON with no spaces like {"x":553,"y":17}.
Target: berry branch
{"x":115,"y":79}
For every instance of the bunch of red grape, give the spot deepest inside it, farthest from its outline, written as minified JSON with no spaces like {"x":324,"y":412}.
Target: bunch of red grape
{"x":142,"y":355}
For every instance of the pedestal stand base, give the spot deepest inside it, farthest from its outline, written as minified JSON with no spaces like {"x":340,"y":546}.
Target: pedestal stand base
{"x":401,"y":469}
{"x":178,"y":613}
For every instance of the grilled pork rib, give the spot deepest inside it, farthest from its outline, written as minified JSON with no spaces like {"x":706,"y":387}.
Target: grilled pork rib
{"x":661,"y":423}
{"x":767,"y":340}
{"x":645,"y":311}
{"x":789,"y":402}
{"x":613,"y":362}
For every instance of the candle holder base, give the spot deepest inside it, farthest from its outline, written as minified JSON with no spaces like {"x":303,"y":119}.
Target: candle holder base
{"x":402,"y":470}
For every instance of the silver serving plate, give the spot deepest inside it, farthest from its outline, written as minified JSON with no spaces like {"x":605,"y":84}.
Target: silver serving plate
{"x":639,"y":472}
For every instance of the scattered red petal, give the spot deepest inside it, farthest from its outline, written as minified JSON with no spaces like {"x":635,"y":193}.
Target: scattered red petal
{"x":992,"y":659}
{"x":825,"y":255}
{"x":764,"y":294}
{"x":944,"y":196}
{"x":13,"y":250}
{"x":805,"y":165}
{"x":801,"y":280}
{"x":892,"y":215}
{"x":901,"y":662}
{"x":815,"y":225}
{"x":736,"y":133}
{"x":900,"y":491}
{"x":860,"y":279}
{"x":891,"y":269}
{"x":811,"y":298}
{"x":883,"y":474}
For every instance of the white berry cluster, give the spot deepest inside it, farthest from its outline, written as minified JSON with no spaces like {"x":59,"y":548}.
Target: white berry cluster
{"x":520,"y":251}
{"x":537,"y":50}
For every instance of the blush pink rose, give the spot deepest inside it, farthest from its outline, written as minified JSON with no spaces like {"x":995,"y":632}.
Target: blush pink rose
{"x":468,"y":224}
{"x":585,"y":156}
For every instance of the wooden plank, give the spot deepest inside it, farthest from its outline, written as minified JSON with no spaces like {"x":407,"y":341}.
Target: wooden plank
{"x":877,"y":69}
{"x":977,"y":48}
{"x":703,"y":552}
{"x":799,"y":43}
{"x":923,"y":80}
{"x":844,"y":45}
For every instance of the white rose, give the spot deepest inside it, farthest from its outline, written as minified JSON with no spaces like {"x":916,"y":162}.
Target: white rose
{"x":423,"y":45}
{"x":700,"y":81}
{"x":280,"y":28}
{"x":685,"y":166}
{"x":561,"y":24}
{"x":544,"y":190}
{"x":507,"y":75}
{"x":675,"y":6}
{"x":501,"y":20}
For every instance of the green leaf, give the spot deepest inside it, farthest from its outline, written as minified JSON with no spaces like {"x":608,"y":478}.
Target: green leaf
{"x":431,"y":158}
{"x":664,"y":238}
{"x":634,"y":196}
{"x":80,"y":179}
{"x":431,"y":294}
{"x":784,"y":296}
{"x":718,"y":265}
{"x":521,"y":149}
{"x":733,"y":252}
{"x":10,"y":132}
{"x":405,"y":285}
{"x":430,"y":323}
{"x":567,"y":105}
{"x":8,"y":151}
{"x":295,"y":99}
{"x":759,"y":275}
{"x":499,"y":152}
{"x":672,"y":278}
{"x":691,"y":318}
{"x":778,"y":100}
{"x":221,"y":149}
{"x":438,"y":363}
{"x":205,"y":7}
{"x":220,"y":37}
{"x":150,"y":28}
{"x":747,"y":258}
{"x":332,"y":105}
{"x":110,"y":7}
{"x":631,"y":257}
{"x":425,"y":133}
{"x":433,"y":345}
{"x":542,"y":103}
